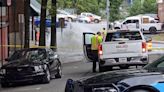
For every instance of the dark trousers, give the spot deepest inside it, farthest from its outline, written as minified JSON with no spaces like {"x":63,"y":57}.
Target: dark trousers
{"x":95,"y":59}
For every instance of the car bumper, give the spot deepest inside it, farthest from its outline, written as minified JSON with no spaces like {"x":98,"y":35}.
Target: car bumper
{"x":131,"y":61}
{"x":17,"y":79}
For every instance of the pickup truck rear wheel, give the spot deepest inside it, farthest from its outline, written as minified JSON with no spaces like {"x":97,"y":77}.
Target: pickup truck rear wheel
{"x":152,"y":30}
{"x":106,"y":68}
{"x":101,"y":69}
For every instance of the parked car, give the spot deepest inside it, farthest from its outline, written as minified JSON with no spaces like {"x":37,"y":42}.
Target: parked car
{"x":31,"y":65}
{"x":68,"y":16}
{"x":148,"y":79}
{"x":83,"y":19}
{"x":122,"y":48}
{"x":93,"y":17}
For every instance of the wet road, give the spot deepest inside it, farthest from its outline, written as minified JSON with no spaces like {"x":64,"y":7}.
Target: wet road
{"x":72,"y":70}
{"x":70,"y":48}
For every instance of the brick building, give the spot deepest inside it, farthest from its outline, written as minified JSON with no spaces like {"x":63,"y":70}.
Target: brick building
{"x":161,"y":10}
{"x":12,"y":25}
{"x":4,"y":26}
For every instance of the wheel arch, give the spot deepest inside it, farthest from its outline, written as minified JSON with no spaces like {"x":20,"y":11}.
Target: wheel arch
{"x":146,"y":87}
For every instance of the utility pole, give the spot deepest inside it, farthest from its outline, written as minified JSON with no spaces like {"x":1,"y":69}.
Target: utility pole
{"x":27,"y":21}
{"x":107,"y":12}
{"x":53,"y":27}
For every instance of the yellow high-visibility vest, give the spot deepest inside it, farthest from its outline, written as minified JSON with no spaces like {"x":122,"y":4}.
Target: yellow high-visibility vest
{"x":103,"y":32}
{"x":95,"y":42}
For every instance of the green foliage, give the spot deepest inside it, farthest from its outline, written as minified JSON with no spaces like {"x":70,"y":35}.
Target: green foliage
{"x":148,"y":6}
{"x":80,"y":5}
{"x":93,"y":6}
{"x":135,"y":8}
{"x":114,"y":10}
{"x":51,"y":8}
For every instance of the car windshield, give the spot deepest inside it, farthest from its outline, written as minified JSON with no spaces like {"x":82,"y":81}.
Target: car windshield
{"x":156,"y":66}
{"x":27,"y":54}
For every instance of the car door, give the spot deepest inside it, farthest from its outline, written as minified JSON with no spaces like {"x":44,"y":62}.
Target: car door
{"x":126,"y":24}
{"x":131,"y":24}
{"x":87,"y":45}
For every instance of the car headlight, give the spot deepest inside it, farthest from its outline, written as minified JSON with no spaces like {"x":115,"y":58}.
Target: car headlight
{"x":3,"y":71}
{"x":38,"y":68}
{"x":104,"y":89}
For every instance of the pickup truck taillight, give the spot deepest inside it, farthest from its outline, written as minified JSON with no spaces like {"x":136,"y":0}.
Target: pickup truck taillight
{"x":143,"y":47}
{"x":100,"y":50}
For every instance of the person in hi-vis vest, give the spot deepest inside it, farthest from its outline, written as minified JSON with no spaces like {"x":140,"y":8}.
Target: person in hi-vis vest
{"x":103,"y":32}
{"x":95,"y":42}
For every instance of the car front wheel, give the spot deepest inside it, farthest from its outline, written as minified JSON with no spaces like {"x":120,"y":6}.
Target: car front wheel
{"x":47,"y":77}
{"x":3,"y":85}
{"x":59,"y":72}
{"x":96,"y":21}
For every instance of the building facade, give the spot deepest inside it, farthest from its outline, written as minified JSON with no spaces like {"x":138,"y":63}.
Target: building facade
{"x":161,"y":10}
{"x":12,"y":25}
{"x":4,"y":26}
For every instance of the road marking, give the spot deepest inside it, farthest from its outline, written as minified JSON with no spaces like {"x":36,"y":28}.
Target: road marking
{"x":38,"y":88}
{"x":31,"y":89}
{"x":75,"y":67}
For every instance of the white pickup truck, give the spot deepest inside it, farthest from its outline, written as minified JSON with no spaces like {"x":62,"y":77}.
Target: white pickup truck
{"x":119,"y":48}
{"x":146,"y":23}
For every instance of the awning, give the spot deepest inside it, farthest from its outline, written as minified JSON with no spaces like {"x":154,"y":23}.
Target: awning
{"x":35,"y":8}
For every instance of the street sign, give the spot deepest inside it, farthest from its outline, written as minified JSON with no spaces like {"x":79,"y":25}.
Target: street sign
{"x":8,"y":2}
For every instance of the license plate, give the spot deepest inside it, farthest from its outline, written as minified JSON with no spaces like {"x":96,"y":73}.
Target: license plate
{"x":122,"y":59}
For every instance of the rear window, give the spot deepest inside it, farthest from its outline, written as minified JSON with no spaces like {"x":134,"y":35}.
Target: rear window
{"x":123,"y":36}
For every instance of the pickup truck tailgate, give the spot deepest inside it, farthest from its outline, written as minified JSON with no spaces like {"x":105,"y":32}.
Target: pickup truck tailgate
{"x":121,"y":49}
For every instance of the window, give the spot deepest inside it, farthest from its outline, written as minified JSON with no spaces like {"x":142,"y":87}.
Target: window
{"x":127,"y":22}
{"x":119,"y":36}
{"x":135,"y":21}
{"x":160,"y":65}
{"x":88,"y":38}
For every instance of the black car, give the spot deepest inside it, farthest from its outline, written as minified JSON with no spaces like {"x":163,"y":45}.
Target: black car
{"x":148,"y":79}
{"x":31,"y":65}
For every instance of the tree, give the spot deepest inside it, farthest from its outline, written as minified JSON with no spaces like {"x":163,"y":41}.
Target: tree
{"x":135,"y":9}
{"x":114,"y":9}
{"x":43,"y":22}
{"x":148,"y":6}
{"x":27,"y":17}
{"x":53,"y":25}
